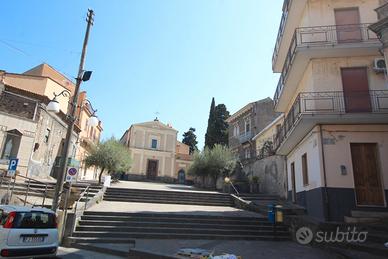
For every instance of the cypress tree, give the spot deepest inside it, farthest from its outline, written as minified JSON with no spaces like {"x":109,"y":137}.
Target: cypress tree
{"x":211,"y":126}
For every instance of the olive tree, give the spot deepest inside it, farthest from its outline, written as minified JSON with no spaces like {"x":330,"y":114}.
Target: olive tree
{"x":214,"y":162}
{"x":109,"y":156}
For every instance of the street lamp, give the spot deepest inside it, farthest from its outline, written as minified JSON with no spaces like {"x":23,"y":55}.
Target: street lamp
{"x":93,"y":121}
{"x":81,"y":77}
{"x":54,"y":107}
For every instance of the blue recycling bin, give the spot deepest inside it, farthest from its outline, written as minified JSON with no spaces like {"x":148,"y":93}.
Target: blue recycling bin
{"x":271,"y":213}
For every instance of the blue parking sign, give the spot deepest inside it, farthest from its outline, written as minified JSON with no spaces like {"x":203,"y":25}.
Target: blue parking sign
{"x":13,"y":163}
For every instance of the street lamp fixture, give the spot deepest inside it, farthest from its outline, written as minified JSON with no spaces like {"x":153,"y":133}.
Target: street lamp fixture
{"x":53,"y":105}
{"x":93,"y":121}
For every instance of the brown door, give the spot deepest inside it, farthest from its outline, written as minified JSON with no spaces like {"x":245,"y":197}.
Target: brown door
{"x":152,"y":169}
{"x":366,"y":173}
{"x":293,"y":186}
{"x":356,"y":89}
{"x":348,"y":25}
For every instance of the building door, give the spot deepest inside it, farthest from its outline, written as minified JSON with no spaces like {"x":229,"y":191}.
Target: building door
{"x":181,"y":177}
{"x":293,"y":185}
{"x":356,"y":89}
{"x":366,"y":173}
{"x":348,"y":25}
{"x":152,"y":169}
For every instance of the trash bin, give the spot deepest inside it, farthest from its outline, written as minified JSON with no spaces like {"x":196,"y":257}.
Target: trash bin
{"x":271,"y":213}
{"x":279,"y":213}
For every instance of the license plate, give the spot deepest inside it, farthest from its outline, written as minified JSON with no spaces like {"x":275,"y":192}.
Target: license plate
{"x":38,"y":239}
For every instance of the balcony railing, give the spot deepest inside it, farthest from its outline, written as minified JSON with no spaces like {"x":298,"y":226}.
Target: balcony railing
{"x":245,"y":137}
{"x":286,"y":7}
{"x":335,"y":103}
{"x":322,"y":36}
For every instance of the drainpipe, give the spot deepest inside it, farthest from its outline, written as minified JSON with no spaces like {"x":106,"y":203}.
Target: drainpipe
{"x":324,"y":175}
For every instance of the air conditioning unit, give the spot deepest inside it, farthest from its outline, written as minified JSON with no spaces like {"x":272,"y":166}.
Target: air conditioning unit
{"x":379,"y":65}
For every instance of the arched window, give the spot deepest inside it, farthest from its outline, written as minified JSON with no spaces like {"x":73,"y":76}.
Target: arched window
{"x":11,"y":144}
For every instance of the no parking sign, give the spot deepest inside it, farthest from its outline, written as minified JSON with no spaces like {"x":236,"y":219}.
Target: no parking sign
{"x":71,"y":175}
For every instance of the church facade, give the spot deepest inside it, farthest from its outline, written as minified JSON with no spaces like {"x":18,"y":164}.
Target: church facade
{"x":155,"y":152}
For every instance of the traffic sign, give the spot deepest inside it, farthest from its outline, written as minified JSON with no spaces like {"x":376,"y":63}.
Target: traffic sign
{"x":71,"y":175}
{"x":13,"y":164}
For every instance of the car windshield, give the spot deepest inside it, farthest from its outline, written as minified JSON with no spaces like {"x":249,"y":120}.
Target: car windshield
{"x":34,"y":219}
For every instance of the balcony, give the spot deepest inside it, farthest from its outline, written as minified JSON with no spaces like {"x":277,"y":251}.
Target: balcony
{"x":335,"y":107}
{"x":236,"y":141}
{"x":291,"y":16}
{"x":245,"y":137}
{"x":324,"y":41}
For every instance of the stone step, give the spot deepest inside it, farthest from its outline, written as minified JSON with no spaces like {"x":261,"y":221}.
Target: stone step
{"x":157,"y":235}
{"x":355,"y":220}
{"x":206,"y":194}
{"x":369,"y":214}
{"x":187,"y":229}
{"x":188,"y":224}
{"x":175,"y":216}
{"x":178,"y":220}
{"x":141,"y":195}
{"x":151,"y":196}
{"x":169,"y":201}
{"x":85,"y":240}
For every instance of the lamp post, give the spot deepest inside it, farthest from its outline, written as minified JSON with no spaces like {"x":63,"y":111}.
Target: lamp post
{"x":82,"y":76}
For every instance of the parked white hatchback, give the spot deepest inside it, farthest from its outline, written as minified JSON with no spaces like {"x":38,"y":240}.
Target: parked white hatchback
{"x":27,"y":232}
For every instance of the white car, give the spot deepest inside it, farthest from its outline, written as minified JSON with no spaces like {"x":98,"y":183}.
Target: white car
{"x":27,"y":232}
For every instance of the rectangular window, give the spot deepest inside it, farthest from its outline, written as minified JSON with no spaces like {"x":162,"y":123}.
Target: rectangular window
{"x":154,"y":143}
{"x":305,"y":170}
{"x":247,"y":153}
{"x":47,"y":136}
{"x":247,"y":125}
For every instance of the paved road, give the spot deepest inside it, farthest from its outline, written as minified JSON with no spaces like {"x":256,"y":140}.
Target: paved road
{"x":73,"y":253}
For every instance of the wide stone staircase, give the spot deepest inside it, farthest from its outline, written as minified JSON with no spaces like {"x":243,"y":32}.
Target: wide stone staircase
{"x":168,"y":197}
{"x":120,"y":227}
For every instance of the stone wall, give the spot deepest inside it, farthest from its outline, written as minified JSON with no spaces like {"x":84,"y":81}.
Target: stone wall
{"x":271,"y":172}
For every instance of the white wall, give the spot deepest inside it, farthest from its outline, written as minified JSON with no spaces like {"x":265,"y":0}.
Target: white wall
{"x":321,"y":12}
{"x":311,"y":146}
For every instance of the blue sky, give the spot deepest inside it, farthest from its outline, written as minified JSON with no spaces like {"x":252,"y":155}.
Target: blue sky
{"x":148,"y":56}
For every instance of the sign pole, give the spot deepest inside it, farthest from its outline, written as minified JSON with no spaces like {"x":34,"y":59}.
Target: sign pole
{"x":13,"y":187}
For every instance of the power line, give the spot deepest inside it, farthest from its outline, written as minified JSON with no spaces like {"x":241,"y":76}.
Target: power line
{"x":19,"y":50}
{"x":6,"y":41}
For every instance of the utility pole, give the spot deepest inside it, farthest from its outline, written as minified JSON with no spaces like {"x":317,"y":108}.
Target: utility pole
{"x":72,"y":116}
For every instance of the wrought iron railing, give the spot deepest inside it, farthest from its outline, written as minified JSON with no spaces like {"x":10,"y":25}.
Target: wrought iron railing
{"x":286,"y":8}
{"x":336,"y":103}
{"x":320,"y":36}
{"x":245,"y":137}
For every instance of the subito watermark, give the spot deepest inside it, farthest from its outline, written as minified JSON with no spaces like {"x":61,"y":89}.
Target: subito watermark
{"x":305,"y":235}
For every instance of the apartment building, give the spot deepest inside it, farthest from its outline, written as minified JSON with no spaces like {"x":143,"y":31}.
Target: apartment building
{"x":156,"y":154}
{"x":44,"y":81}
{"x":30,"y":133}
{"x":333,"y":92}
{"x":89,"y":138}
{"x":246,"y":123}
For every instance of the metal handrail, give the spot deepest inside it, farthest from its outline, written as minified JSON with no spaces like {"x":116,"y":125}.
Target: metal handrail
{"x":27,"y":193}
{"x":86,"y":191}
{"x":331,"y":102}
